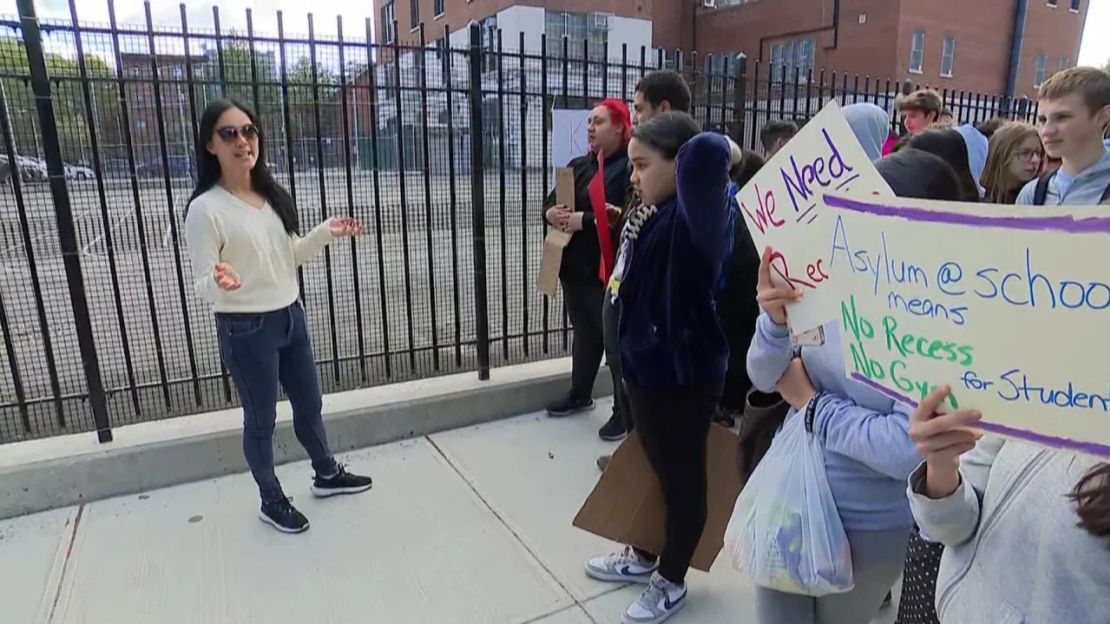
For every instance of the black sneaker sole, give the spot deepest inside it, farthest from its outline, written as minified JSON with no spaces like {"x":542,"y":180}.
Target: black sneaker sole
{"x":320,"y":492}
{"x":571,"y":412}
{"x":609,"y":437}
{"x":270,"y":521}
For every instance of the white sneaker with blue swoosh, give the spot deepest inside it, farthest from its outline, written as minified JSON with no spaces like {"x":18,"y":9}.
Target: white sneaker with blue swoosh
{"x":621,"y":567}
{"x":660,"y":600}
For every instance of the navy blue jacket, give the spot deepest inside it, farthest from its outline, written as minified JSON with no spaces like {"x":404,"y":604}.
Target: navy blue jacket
{"x":670,"y":336}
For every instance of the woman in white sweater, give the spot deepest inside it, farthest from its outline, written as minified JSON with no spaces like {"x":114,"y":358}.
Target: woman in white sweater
{"x":1026,"y":528}
{"x":242,"y":232}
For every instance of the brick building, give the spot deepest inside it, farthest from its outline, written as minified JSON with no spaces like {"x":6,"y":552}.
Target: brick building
{"x":950,"y":44}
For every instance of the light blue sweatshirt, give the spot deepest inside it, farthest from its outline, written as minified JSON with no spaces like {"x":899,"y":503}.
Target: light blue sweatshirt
{"x":865,"y":434}
{"x":1086,"y":189}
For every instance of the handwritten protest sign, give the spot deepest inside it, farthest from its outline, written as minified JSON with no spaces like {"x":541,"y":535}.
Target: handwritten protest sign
{"x":782,"y":208}
{"x":1010,"y":310}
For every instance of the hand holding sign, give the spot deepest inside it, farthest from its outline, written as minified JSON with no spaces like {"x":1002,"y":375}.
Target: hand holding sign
{"x":941,"y":439}
{"x":771,"y":297}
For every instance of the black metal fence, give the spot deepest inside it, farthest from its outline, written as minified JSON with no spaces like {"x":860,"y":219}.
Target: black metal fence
{"x":444,"y":153}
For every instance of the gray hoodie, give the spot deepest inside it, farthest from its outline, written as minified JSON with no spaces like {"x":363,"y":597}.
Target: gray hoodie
{"x":1013,"y":551}
{"x":1087,"y":189}
{"x":870,"y":124}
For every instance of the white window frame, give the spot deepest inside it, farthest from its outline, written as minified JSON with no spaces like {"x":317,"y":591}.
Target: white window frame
{"x":442,"y":8}
{"x":919,"y":51}
{"x":388,"y":34}
{"x":948,"y":57}
{"x":1040,"y":69}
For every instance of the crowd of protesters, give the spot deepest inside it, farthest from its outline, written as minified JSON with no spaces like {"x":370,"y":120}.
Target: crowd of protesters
{"x":696,"y":331}
{"x":661,"y":278}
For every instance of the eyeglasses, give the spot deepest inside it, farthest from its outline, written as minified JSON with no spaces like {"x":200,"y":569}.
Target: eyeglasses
{"x":230,"y":133}
{"x":1029,"y":155}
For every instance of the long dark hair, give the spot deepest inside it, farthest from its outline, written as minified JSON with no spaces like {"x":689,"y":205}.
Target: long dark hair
{"x":950,"y":146}
{"x":262,"y":181}
{"x":1092,"y":496}
{"x":667,"y":133}
{"x":919,"y":174}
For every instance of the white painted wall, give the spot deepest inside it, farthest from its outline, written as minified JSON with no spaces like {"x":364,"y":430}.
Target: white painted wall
{"x":521,"y":19}
{"x":635,"y":32}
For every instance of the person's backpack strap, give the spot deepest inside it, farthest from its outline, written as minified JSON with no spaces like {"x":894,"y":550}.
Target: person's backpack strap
{"x":1040,"y":193}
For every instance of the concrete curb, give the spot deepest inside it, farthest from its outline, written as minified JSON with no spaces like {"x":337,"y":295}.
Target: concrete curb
{"x":44,"y":479}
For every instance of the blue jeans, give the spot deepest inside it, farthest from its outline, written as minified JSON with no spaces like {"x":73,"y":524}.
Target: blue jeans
{"x":266,"y":352}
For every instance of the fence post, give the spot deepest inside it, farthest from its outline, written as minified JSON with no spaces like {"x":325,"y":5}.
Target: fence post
{"x":63,"y":212}
{"x":478,"y":202}
{"x":740,"y":92}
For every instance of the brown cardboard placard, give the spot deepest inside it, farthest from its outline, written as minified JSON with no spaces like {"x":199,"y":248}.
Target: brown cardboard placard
{"x":626,"y":505}
{"x":548,"y":280}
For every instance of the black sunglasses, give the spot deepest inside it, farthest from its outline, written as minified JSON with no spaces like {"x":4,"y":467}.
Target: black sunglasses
{"x":230,"y":133}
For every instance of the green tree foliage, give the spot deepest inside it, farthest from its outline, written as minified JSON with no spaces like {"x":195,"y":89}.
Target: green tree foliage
{"x":68,"y":99}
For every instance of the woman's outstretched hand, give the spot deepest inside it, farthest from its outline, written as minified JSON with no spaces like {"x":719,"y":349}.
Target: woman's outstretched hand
{"x":226,"y":277}
{"x":345,"y":227}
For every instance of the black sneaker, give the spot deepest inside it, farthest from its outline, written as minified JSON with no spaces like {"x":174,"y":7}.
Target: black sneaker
{"x":613,"y":431}
{"x":603,"y":462}
{"x":283,"y":516}
{"x":342,"y":482}
{"x":569,"y":407}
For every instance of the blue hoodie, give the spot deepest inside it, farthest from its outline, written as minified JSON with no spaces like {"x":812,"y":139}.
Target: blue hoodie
{"x":865,"y":434}
{"x":669,"y":333}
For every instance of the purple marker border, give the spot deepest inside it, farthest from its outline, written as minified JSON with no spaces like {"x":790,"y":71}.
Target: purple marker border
{"x":1065,"y":223}
{"x":1089,"y":448}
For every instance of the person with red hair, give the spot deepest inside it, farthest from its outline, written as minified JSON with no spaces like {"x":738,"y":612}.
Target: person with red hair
{"x":600,"y":178}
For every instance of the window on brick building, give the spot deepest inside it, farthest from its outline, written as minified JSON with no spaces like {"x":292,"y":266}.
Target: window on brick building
{"x":1076,"y":4}
{"x":948,"y":57}
{"x":788,"y":57}
{"x":917,"y":51}
{"x":439,"y":9}
{"x":389,"y":16}
{"x":1039,"y":70}
{"x":1065,"y":63}
{"x":576,"y":27}
{"x":1052,"y":3}
{"x":414,"y":10}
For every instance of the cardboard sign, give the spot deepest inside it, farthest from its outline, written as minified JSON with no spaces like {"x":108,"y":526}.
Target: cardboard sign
{"x":1009,"y":309}
{"x":552,"y":260}
{"x":782,"y":206}
{"x":627,"y":507}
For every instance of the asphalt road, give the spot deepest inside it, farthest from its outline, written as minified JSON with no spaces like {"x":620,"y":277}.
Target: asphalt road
{"x":406,"y":288}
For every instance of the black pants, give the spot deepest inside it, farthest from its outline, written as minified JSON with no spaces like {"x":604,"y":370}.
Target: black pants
{"x":738,"y":313}
{"x":584,"y":306}
{"x":610,"y":317}
{"x":674,"y":427}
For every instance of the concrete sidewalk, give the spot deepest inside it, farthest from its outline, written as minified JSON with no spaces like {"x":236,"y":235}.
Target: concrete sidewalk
{"x":467,"y":526}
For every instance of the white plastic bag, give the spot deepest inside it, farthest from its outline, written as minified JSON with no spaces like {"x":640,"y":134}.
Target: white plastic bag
{"x":785,"y":530}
